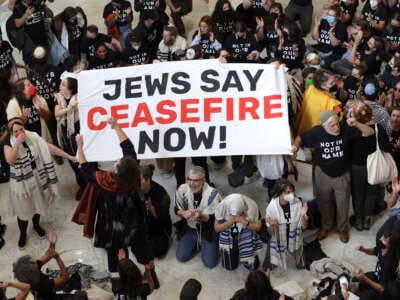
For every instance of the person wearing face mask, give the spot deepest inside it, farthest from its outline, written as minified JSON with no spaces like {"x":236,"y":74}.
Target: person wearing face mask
{"x":330,"y":141}
{"x":375,"y":12}
{"x":237,"y":220}
{"x":30,"y":107}
{"x":242,"y":45}
{"x":33,"y":178}
{"x":136,"y":54}
{"x":364,"y":195}
{"x":224,"y":19}
{"x":330,"y":33}
{"x":285,"y":217}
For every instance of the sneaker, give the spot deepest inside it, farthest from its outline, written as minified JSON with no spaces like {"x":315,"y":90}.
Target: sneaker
{"x":322,"y":234}
{"x":40,"y":231}
{"x":344,"y":236}
{"x":22,"y":241}
{"x":359,"y":224}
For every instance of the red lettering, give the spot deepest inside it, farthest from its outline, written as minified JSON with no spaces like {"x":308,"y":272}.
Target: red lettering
{"x":163,"y":110}
{"x":209,"y":109}
{"x":91,"y":116}
{"x":142,"y":115}
{"x":248,"y":105}
{"x":118,"y":116}
{"x":268,"y":107}
{"x":229,"y":109}
{"x":186,"y":110}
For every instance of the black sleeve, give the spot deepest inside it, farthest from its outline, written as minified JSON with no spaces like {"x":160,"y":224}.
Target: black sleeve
{"x":388,"y":271}
{"x":341,"y":32}
{"x":383,"y":139}
{"x":307,"y":138}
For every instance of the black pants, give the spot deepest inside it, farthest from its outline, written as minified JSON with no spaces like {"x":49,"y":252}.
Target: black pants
{"x":247,"y":161}
{"x":160,"y":245}
{"x":180,"y":168}
{"x":177,"y":17}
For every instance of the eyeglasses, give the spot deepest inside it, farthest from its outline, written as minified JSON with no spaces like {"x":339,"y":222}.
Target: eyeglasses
{"x":194,"y":180}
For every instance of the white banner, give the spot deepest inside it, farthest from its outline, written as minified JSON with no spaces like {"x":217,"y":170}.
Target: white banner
{"x":185,"y":108}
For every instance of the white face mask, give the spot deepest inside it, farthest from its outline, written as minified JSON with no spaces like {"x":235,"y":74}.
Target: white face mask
{"x":289,"y":197}
{"x":136,"y":48}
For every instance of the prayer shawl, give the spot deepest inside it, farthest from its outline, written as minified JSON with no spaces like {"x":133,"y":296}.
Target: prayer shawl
{"x":248,"y":240}
{"x":85,"y":212}
{"x":69,"y":118}
{"x":278,"y":243}
{"x":22,"y":177}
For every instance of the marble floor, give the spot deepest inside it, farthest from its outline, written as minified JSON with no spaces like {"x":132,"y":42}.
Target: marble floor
{"x":217,"y":283}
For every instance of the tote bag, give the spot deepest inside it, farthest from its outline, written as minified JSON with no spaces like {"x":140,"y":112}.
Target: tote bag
{"x":381,"y":166}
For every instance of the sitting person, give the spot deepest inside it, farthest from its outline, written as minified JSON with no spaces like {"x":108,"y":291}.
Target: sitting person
{"x":258,"y":287}
{"x":373,"y":284}
{"x":195,"y":202}
{"x":22,"y":287}
{"x":158,"y":219}
{"x":131,"y":283}
{"x":28,"y":271}
{"x":286,"y":217}
{"x":237,"y":219}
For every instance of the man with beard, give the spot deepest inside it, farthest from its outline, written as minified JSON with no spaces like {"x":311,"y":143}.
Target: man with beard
{"x":170,"y":42}
{"x":331,"y":141}
{"x":195,"y":201}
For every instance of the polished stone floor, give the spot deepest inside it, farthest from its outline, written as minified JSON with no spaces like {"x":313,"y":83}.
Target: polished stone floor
{"x":217,"y":283}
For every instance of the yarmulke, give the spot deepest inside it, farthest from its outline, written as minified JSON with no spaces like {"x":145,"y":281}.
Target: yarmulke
{"x":370,"y":89}
{"x":39,"y":52}
{"x":311,"y":56}
{"x":325,"y":115}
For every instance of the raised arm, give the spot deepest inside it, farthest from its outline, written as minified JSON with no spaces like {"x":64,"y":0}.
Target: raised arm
{"x":21,"y":286}
{"x":120,"y":133}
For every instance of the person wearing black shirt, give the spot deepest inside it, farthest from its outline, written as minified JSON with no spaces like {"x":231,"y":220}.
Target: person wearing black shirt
{"x":118,"y":14}
{"x":374,"y":283}
{"x":241,"y":45}
{"x":224,"y":19}
{"x":93,"y":36}
{"x":249,"y":10}
{"x":391,"y":75}
{"x":157,"y":214}
{"x":205,"y":37}
{"x":330,"y":33}
{"x":151,"y":30}
{"x":349,"y":8}
{"x":395,"y":136}
{"x":353,"y":81}
{"x":291,"y":46}
{"x":104,"y":58}
{"x":375,"y":12}
{"x":331,"y":143}
{"x":157,"y":6}
{"x":6,"y":58}
{"x":301,"y":10}
{"x":136,"y":53}
{"x":392,"y":32}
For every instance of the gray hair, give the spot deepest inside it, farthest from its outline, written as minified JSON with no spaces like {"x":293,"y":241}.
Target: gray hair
{"x":26,"y":270}
{"x":197,"y":170}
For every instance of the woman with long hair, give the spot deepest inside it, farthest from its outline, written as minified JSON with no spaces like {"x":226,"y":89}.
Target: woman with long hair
{"x":224,"y":19}
{"x":205,"y":36}
{"x":130,"y":284}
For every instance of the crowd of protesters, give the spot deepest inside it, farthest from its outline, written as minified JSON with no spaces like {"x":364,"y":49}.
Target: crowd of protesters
{"x":344,"y":98}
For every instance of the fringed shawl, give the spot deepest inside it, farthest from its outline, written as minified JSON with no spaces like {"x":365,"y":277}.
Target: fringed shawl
{"x":279,"y":245}
{"x":22,"y":177}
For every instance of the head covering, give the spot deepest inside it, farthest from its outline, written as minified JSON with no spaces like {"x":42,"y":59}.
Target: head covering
{"x":325,"y":115}
{"x":311,"y":56}
{"x":370,"y":89}
{"x":190,"y":290}
{"x":39,"y":52}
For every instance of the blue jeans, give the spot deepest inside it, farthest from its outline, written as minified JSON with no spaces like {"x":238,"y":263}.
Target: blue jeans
{"x":124,"y":31}
{"x":188,"y":243}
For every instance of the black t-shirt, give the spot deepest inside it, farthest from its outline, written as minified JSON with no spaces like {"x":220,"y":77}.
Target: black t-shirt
{"x":34,"y":24}
{"x":135,"y":57}
{"x":394,"y":138}
{"x":351,"y":86}
{"x":386,"y":267}
{"x":5,"y":55}
{"x":110,"y":61}
{"x":47,"y":85}
{"x":324,"y":39}
{"x":301,"y":2}
{"x":241,"y":47}
{"x":33,"y":122}
{"x":389,"y":79}
{"x":348,"y":10}
{"x":150,"y":5}
{"x":123,"y":17}
{"x":224,"y":24}
{"x":286,"y":213}
{"x":90,"y":49}
{"x":45,"y":288}
{"x":257,"y":8}
{"x":206,"y":46}
{"x":76,"y":43}
{"x":392,"y":34}
{"x":151,"y":37}
{"x":331,"y":152}
{"x":118,"y":293}
{"x":379,"y":14}
{"x":363,"y":146}
{"x":287,"y":54}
